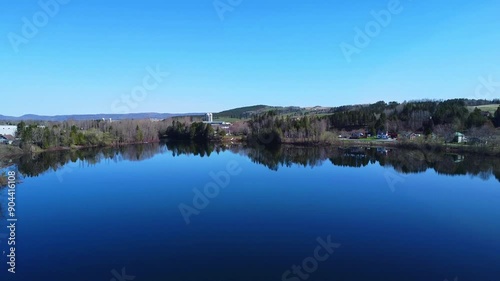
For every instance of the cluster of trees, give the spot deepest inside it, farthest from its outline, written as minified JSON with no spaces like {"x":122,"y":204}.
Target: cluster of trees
{"x":197,"y":131}
{"x":88,"y":133}
{"x":269,"y":128}
{"x":496,"y":117}
{"x":94,"y":133}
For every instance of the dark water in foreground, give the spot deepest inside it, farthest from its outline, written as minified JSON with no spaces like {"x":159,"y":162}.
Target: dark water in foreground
{"x":185,"y":212}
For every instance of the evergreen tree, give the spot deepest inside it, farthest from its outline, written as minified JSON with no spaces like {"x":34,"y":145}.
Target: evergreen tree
{"x":496,"y":118}
{"x":476,"y":119}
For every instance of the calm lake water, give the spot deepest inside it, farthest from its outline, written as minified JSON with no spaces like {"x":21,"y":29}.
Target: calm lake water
{"x":184,"y":212}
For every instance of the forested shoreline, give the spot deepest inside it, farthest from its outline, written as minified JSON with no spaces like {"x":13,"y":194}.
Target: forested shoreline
{"x":435,"y":122}
{"x":412,"y":123}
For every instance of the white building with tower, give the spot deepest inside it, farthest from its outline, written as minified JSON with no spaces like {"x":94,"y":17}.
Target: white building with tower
{"x":209,"y":117}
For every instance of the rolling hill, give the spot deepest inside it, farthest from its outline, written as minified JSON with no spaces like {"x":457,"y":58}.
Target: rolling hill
{"x":82,"y":117}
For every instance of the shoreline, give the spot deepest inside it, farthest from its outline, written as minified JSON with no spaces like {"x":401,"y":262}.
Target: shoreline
{"x":8,"y":152}
{"x":445,"y":147}
{"x":16,"y":152}
{"x":78,"y":147}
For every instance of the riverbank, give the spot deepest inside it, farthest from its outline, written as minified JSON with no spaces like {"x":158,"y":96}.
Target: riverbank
{"x":490,"y":150}
{"x":9,"y":151}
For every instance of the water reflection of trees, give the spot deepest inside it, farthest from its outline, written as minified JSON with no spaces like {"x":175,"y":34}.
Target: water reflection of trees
{"x":34,"y":165}
{"x":187,"y":148}
{"x":402,"y":160}
{"x":286,"y":156}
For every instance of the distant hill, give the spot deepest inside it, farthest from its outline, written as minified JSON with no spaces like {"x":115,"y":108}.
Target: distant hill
{"x":94,"y":116}
{"x":248,"y":111}
{"x":241,"y":112}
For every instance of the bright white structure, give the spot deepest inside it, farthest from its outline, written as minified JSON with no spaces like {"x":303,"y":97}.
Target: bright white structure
{"x":8,"y":130}
{"x":209,"y":117}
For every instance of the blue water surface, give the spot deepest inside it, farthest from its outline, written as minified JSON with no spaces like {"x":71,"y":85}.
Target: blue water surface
{"x":92,"y":221}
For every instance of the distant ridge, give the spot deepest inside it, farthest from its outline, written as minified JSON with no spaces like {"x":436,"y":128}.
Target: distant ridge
{"x":242,"y":111}
{"x":82,"y":117}
{"x":249,"y":111}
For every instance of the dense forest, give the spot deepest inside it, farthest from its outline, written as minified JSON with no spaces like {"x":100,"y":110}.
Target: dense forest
{"x":270,"y":128}
{"x":414,"y":116}
{"x":440,"y":120}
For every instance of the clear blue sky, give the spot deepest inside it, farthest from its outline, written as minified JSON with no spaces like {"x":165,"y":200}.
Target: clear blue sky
{"x":91,"y":53}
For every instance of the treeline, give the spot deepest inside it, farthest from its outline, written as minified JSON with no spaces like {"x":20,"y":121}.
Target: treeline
{"x":417,"y":115}
{"x":88,"y":133}
{"x":100,"y":133}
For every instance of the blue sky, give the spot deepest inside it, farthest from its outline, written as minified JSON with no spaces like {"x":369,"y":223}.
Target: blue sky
{"x":88,"y":56}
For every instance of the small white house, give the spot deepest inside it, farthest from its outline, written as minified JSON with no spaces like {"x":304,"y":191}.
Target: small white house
{"x":459,"y":137}
{"x":8,"y":130}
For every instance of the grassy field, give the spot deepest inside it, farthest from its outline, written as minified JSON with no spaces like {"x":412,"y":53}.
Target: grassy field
{"x":488,"y":107}
{"x":229,"y":119}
